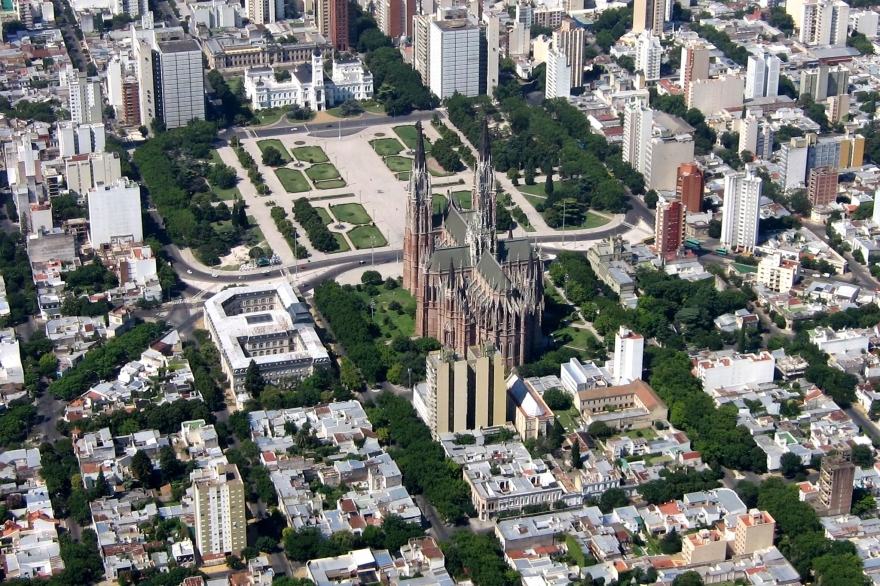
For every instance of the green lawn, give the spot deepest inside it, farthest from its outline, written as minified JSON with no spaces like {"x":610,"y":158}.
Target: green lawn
{"x":375,"y":109}
{"x":227,"y":194}
{"x":403,"y":176}
{"x":570,"y":419}
{"x":337,"y":113}
{"x":269,"y":115}
{"x":215,"y":157}
{"x":274,"y":142}
{"x":386,"y":146}
{"x":353,"y":213}
{"x":361,"y":237}
{"x":580,"y":338}
{"x":649,"y":434}
{"x":595,"y":220}
{"x":398,"y":321}
{"x":536,"y":189}
{"x":325,"y":215}
{"x":292,"y":180}
{"x":322,"y":172}
{"x":343,"y":243}
{"x":330,"y":184}
{"x":399,"y":164}
{"x":310,"y":154}
{"x":407,"y":134}
{"x":462,"y":198}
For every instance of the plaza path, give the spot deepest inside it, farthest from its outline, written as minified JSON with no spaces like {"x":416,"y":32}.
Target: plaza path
{"x":257,"y":206}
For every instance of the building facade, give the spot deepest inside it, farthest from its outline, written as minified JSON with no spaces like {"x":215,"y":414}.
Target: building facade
{"x":220,"y":524}
{"x":777,"y":273}
{"x":570,"y":39}
{"x":115,"y":213}
{"x":836,"y":476}
{"x":84,"y":93}
{"x":649,"y":54}
{"x":754,"y":531}
{"x":689,"y":187}
{"x":558,"y":80}
{"x":694,"y":64}
{"x":742,"y":202}
{"x":669,"y":227}
{"x":456,"y":60}
{"x":470,"y":289}
{"x":762,"y":76}
{"x":649,"y":15}
{"x":179,"y":82}
{"x":629,"y":349}
{"x":822,"y":185}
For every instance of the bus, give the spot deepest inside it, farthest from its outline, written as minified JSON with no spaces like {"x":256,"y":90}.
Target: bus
{"x":692,"y":243}
{"x":721,"y":251}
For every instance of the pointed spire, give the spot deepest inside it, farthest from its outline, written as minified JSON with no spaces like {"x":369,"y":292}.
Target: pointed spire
{"x":484,"y":141}
{"x":420,"y":146}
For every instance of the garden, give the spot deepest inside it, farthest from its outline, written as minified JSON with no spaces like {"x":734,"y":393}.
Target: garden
{"x":386,"y":146}
{"x":366,"y":237}
{"x":276,"y":144}
{"x":310,"y":154}
{"x":352,"y":213}
{"x":292,"y":180}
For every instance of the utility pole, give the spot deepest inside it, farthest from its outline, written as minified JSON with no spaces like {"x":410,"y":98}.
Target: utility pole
{"x":372,"y":251}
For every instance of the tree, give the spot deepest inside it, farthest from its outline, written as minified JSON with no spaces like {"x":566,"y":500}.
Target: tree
{"x":790,"y":465}
{"x":141,"y":466}
{"x":688,"y":579}
{"x":671,"y":543}
{"x":266,"y":544}
{"x":253,"y":380}
{"x":714,"y":230}
{"x":351,"y":108}
{"x":863,"y":502}
{"x":748,"y":492}
{"x":272,"y":157}
{"x":48,"y":365}
{"x":611,"y":499}
{"x":283,"y":75}
{"x":800,"y":203}
{"x":557,"y":399}
{"x":371,"y":278}
{"x":576,"y":454}
{"x":627,"y":63}
{"x":548,"y":185}
{"x":862,"y":456}
{"x":600,"y":429}
{"x":233,"y":562}
{"x":651,"y":199}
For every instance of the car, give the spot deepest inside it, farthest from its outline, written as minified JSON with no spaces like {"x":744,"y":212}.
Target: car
{"x":189,"y":272}
{"x":215,"y":275}
{"x":362,"y":262}
{"x":240,"y":277}
{"x":302,"y":267}
{"x":329,"y":126}
{"x":265,"y":272}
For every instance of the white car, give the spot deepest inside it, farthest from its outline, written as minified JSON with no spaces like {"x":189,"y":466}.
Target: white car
{"x":189,"y":272}
{"x":215,"y":275}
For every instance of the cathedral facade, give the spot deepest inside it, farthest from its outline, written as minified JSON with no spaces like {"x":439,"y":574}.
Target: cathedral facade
{"x":470,"y":287}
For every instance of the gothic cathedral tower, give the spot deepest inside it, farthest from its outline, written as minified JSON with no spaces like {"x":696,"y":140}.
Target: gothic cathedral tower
{"x":418,"y":237}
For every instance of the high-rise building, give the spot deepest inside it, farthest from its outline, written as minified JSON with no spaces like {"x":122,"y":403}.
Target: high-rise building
{"x":220,"y":524}
{"x":822,"y":151}
{"x":421,"y":44}
{"x":558,"y":84}
{"x":836,"y":476}
{"x":455,"y":58}
{"x":694,"y":64}
{"x":322,"y":17}
{"x":739,"y":218}
{"x":525,"y":13}
{"x":650,"y":15}
{"x":748,"y":133}
{"x":864,"y":21}
{"x":264,"y":11}
{"x":755,"y":531}
{"x":629,"y":350}
{"x":793,"y":161}
{"x":465,"y":392}
{"x":852,"y":151}
{"x":762,"y":76}
{"x":838,"y":108}
{"x":395,"y":17}
{"x":130,"y":112}
{"x":822,"y":185}
{"x":689,"y":187}
{"x":339,"y":24}
{"x":649,"y":54}
{"x":669,"y":226}
{"x":712,"y":95}
{"x":115,"y":213}
{"x":825,"y":81}
{"x":518,"y":40}
{"x":491,"y":37}
{"x":824,"y":22}
{"x":499,"y":297}
{"x":179,"y":84}
{"x":637,"y":124}
{"x":80,"y":139}
{"x":84,"y":93}
{"x":569,"y":39}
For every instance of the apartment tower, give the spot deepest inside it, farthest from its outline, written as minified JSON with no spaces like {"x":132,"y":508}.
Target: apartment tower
{"x":650,"y":15}
{"x":629,"y":349}
{"x":689,"y":187}
{"x":836,"y":485}
{"x":739,"y":218}
{"x":570,"y":39}
{"x":822,"y":185}
{"x":221,"y":526}
{"x":669,"y":227}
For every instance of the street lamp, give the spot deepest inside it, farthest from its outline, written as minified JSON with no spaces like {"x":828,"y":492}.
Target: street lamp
{"x":372,"y":251}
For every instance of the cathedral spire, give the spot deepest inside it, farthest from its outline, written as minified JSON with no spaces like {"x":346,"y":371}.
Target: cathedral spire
{"x":418,"y":242}
{"x":484,"y":140}
{"x":419,"y":161}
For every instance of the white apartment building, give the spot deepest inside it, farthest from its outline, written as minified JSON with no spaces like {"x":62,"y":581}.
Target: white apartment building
{"x":492,"y":36}
{"x":629,"y":349}
{"x":264,"y":11}
{"x":762,"y":76}
{"x":570,"y":39}
{"x":755,"y":136}
{"x":649,"y":54}
{"x":727,"y":368}
{"x":454,"y":52}
{"x":849,"y":340}
{"x":80,"y":139}
{"x":221,"y":525}
{"x":713,"y":95}
{"x":650,"y":15}
{"x":739,"y":217}
{"x":115,"y":213}
{"x":84,"y":96}
{"x":824,"y":22}
{"x":777,"y":273}
{"x":307,"y":87}
{"x":694,"y":63}
{"x":637,"y":124}
{"x":793,"y":161}
{"x":864,"y":21}
{"x":558,"y":84}
{"x":86,"y":172}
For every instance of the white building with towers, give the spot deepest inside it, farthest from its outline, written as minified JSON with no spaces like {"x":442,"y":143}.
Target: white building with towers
{"x":308,"y":86}
{"x":84,"y":93}
{"x":762,"y":76}
{"x":742,"y":204}
{"x":558,"y":83}
{"x":629,"y":350}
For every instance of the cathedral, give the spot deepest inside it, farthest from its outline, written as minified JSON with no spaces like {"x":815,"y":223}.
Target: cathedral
{"x":470,"y":287}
